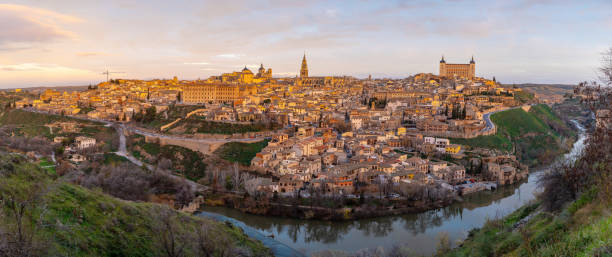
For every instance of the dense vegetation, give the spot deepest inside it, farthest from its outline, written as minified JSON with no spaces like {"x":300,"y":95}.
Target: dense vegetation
{"x":198,"y":125}
{"x":130,"y":182}
{"x":180,"y":160}
{"x":152,"y":119}
{"x":155,"y":120}
{"x":524,"y":97}
{"x":43,"y":216}
{"x":536,"y":137}
{"x":242,"y":153}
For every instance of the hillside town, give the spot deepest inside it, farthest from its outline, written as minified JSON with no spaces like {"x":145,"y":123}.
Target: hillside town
{"x":336,"y":135}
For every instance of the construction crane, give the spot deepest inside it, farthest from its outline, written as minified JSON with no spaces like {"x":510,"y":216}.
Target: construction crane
{"x":110,"y":72}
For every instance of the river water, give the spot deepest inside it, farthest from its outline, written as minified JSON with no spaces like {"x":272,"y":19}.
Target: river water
{"x":417,"y":231}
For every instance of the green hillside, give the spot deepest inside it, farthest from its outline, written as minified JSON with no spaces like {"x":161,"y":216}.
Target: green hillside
{"x":32,"y":124}
{"x":572,"y":215}
{"x":240,"y":152}
{"x":536,"y":137}
{"x":62,"y":219}
{"x":582,"y":229}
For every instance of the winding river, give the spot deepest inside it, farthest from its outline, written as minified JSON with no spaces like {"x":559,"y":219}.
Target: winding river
{"x":417,"y":231}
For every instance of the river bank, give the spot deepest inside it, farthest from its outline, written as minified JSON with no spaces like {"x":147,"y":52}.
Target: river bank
{"x":295,"y":208}
{"x":353,"y":208}
{"x":417,"y":231}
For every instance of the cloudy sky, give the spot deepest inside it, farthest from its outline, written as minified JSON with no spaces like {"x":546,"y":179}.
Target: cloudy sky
{"x":71,"y":42}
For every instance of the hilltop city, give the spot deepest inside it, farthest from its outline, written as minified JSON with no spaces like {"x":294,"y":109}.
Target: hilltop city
{"x":336,"y":135}
{"x":305,"y":128}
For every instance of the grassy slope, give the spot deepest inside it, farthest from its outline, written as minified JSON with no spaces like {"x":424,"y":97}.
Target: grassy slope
{"x":242,"y":153}
{"x":33,"y":124}
{"x":584,"y":228}
{"x":81,"y":222}
{"x":530,"y":132}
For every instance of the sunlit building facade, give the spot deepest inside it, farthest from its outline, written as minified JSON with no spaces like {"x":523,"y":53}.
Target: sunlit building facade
{"x":461,"y":70}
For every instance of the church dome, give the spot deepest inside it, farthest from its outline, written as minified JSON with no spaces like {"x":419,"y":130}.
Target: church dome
{"x":246,"y":70}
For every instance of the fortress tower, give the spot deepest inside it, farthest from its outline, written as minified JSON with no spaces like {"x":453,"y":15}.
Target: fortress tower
{"x":462,"y":70}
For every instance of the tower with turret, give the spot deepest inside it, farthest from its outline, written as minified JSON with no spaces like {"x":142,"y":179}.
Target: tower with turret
{"x":458,"y":69}
{"x":442,"y":66}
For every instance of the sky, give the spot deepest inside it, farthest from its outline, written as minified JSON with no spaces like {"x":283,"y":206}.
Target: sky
{"x":71,"y":42}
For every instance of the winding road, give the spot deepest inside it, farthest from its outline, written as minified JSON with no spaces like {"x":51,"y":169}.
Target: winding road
{"x":487,"y":118}
{"x":123,"y":149}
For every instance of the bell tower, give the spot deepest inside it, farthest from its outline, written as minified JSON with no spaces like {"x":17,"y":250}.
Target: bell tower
{"x":304,"y":69}
{"x":442,"y":67}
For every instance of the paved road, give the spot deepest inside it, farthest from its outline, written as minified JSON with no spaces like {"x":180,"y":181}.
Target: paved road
{"x":120,"y":127}
{"x":490,"y":125}
{"x":487,"y":117}
{"x":123,"y":149}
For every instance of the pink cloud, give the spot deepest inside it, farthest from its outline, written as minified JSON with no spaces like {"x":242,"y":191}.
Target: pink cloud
{"x":19,"y":23}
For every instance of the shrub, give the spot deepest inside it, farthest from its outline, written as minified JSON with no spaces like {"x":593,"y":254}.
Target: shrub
{"x":557,"y":190}
{"x":584,"y":199}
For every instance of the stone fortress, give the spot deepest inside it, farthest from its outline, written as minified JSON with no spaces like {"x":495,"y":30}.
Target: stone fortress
{"x":461,"y":70}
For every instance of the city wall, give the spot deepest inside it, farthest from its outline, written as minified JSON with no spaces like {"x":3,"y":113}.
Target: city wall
{"x":205,"y":148}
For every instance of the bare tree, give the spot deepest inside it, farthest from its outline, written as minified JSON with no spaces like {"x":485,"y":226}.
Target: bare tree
{"x":245,"y":177}
{"x":251,"y":185}
{"x":211,"y":244}
{"x":605,"y":71}
{"x":64,"y":167}
{"x":185,"y":195}
{"x":18,"y":206}
{"x":237,"y":182}
{"x":381,"y":182}
{"x":172,"y":240}
{"x":443,"y":245}
{"x":205,"y":244}
{"x":164,"y":164}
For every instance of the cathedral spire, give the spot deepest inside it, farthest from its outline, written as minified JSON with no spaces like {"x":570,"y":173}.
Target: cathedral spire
{"x":304,"y":68}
